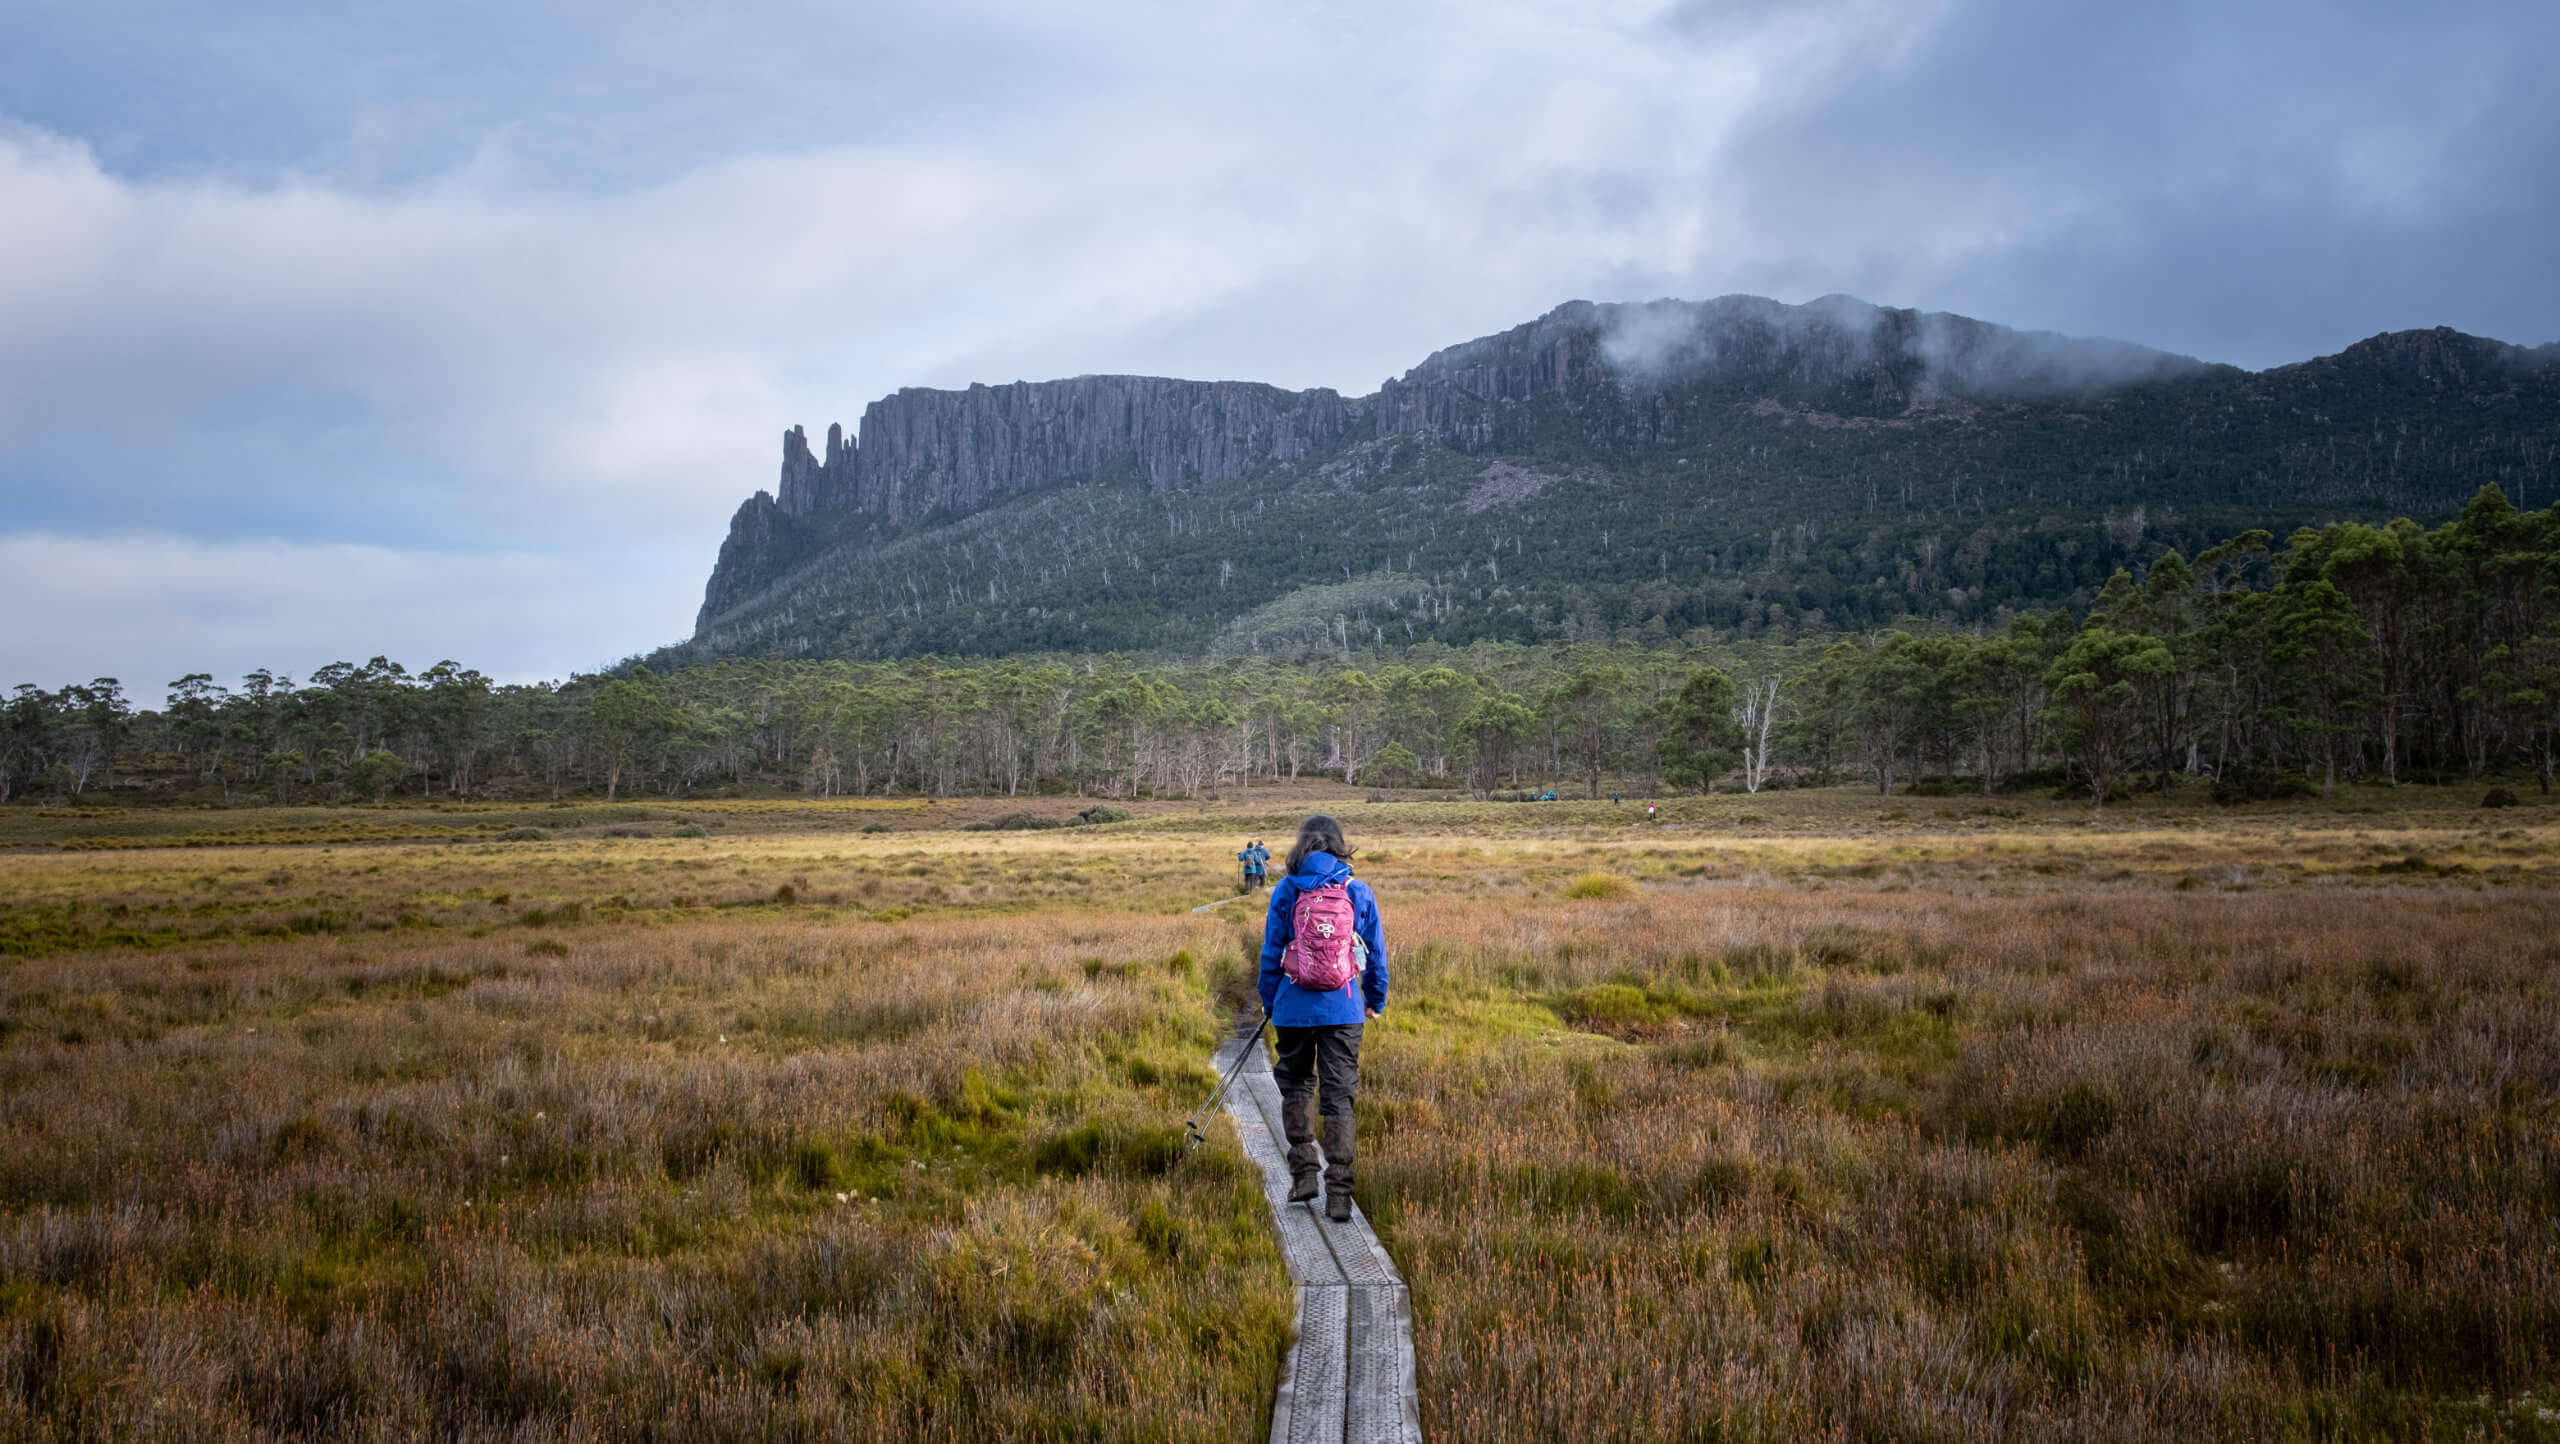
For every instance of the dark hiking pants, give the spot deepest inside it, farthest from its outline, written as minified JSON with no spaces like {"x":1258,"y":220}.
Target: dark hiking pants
{"x":1322,"y":1059}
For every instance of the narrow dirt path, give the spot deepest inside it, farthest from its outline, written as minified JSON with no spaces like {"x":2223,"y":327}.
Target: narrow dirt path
{"x":1349,"y":1375}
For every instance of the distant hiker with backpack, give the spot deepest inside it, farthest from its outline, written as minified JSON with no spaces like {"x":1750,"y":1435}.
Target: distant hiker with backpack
{"x":1324,"y":973}
{"x":1259,"y":868}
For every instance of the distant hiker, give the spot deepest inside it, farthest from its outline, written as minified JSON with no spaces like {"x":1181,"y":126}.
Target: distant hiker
{"x":1648,"y":812}
{"x":1324,"y":973}
{"x":1261,"y":860}
{"x":1613,"y":798}
{"x":1244,"y":866}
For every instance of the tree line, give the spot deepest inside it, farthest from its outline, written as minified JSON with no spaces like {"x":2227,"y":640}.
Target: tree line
{"x":2344,"y":653}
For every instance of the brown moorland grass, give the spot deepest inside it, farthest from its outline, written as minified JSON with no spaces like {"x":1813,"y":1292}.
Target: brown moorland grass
{"x":780,"y":1179}
{"x":1815,"y":1115}
{"x":1918,"y":1166}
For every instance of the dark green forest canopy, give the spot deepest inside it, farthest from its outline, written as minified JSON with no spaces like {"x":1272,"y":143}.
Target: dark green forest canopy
{"x":2340,"y":653}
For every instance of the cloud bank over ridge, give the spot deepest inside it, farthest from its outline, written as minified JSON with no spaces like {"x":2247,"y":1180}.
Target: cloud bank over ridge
{"x":516,"y":305}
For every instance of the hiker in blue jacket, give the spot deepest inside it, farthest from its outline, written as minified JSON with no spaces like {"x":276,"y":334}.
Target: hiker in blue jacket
{"x":1319,"y":1032}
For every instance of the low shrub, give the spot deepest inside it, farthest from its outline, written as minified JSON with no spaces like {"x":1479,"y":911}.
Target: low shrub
{"x":524,"y":834}
{"x":1099,"y":813}
{"x":2120,"y":790}
{"x":1118,"y":1145}
{"x":2035,"y":779}
{"x":2258,"y":784}
{"x":1599,"y":885}
{"x":2085,"y":1113}
{"x":1016,"y":822}
{"x":1606,"y":1005}
{"x":2418,"y":864}
{"x":2498,"y":797}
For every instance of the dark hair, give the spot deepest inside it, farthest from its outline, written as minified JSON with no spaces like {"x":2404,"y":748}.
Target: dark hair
{"x":1318,"y":833}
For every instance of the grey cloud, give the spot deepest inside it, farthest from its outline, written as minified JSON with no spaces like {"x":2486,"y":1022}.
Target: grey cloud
{"x":464,"y":279}
{"x":1668,"y":339}
{"x":1962,"y":355}
{"x":2252,"y":183}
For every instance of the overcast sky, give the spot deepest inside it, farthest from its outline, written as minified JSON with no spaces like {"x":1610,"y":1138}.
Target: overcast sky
{"x":459,"y":329}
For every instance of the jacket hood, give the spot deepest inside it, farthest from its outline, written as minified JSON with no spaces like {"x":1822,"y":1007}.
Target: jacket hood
{"x":1322,"y":868}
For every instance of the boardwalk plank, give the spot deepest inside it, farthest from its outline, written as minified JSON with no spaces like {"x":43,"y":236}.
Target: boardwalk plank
{"x":1349,"y":1373}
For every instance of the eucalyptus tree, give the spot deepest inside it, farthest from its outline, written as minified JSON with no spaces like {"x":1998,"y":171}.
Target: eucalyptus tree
{"x":2328,"y":675}
{"x":1498,"y":730}
{"x":1701,"y":735}
{"x":1755,"y":718}
{"x":625,"y":721}
{"x":94,"y":721}
{"x":2097,"y":686}
{"x":1587,"y":708}
{"x":2376,"y":569}
{"x":1354,"y":716}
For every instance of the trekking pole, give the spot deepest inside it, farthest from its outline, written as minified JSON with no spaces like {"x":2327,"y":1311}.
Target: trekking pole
{"x":1192,"y":1136}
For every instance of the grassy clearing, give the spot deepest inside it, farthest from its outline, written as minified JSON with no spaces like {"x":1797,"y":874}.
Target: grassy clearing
{"x":1807,"y":1115}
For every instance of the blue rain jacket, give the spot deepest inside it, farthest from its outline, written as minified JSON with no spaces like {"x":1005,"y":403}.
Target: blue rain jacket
{"x":1295,"y":1007}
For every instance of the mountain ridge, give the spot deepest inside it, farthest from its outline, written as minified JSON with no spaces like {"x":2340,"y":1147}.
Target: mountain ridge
{"x":1806,"y":412}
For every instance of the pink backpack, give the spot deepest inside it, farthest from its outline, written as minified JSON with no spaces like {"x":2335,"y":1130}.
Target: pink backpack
{"x":1325,"y":952}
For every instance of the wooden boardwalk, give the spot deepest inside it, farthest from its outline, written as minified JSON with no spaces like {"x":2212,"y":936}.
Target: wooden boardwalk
{"x":1349,"y":1374}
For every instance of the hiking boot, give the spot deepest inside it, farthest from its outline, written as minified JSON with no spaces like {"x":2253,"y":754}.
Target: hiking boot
{"x":1306,"y":1165}
{"x":1338,"y":1145}
{"x":1337,"y":1167}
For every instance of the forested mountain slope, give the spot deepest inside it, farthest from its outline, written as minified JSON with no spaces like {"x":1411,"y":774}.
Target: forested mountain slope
{"x":1603,"y":472}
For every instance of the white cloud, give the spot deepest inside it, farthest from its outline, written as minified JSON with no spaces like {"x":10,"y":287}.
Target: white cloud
{"x":1440,"y":168}
{"x":149,"y":608}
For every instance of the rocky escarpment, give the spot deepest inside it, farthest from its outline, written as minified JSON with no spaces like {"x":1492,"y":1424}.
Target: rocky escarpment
{"x":1597,"y":375}
{"x":953,"y":451}
{"x":1985,"y":412}
{"x":924,"y":453}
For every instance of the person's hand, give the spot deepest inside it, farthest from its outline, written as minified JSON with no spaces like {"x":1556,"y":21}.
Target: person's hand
{"x":1373,"y":1015}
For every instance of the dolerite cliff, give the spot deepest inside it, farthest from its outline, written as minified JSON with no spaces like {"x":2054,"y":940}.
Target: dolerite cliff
{"x":928,"y":454}
{"x":1699,"y":423}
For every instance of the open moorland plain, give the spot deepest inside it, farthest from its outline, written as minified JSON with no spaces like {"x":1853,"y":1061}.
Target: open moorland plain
{"x":1813,"y":1114}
